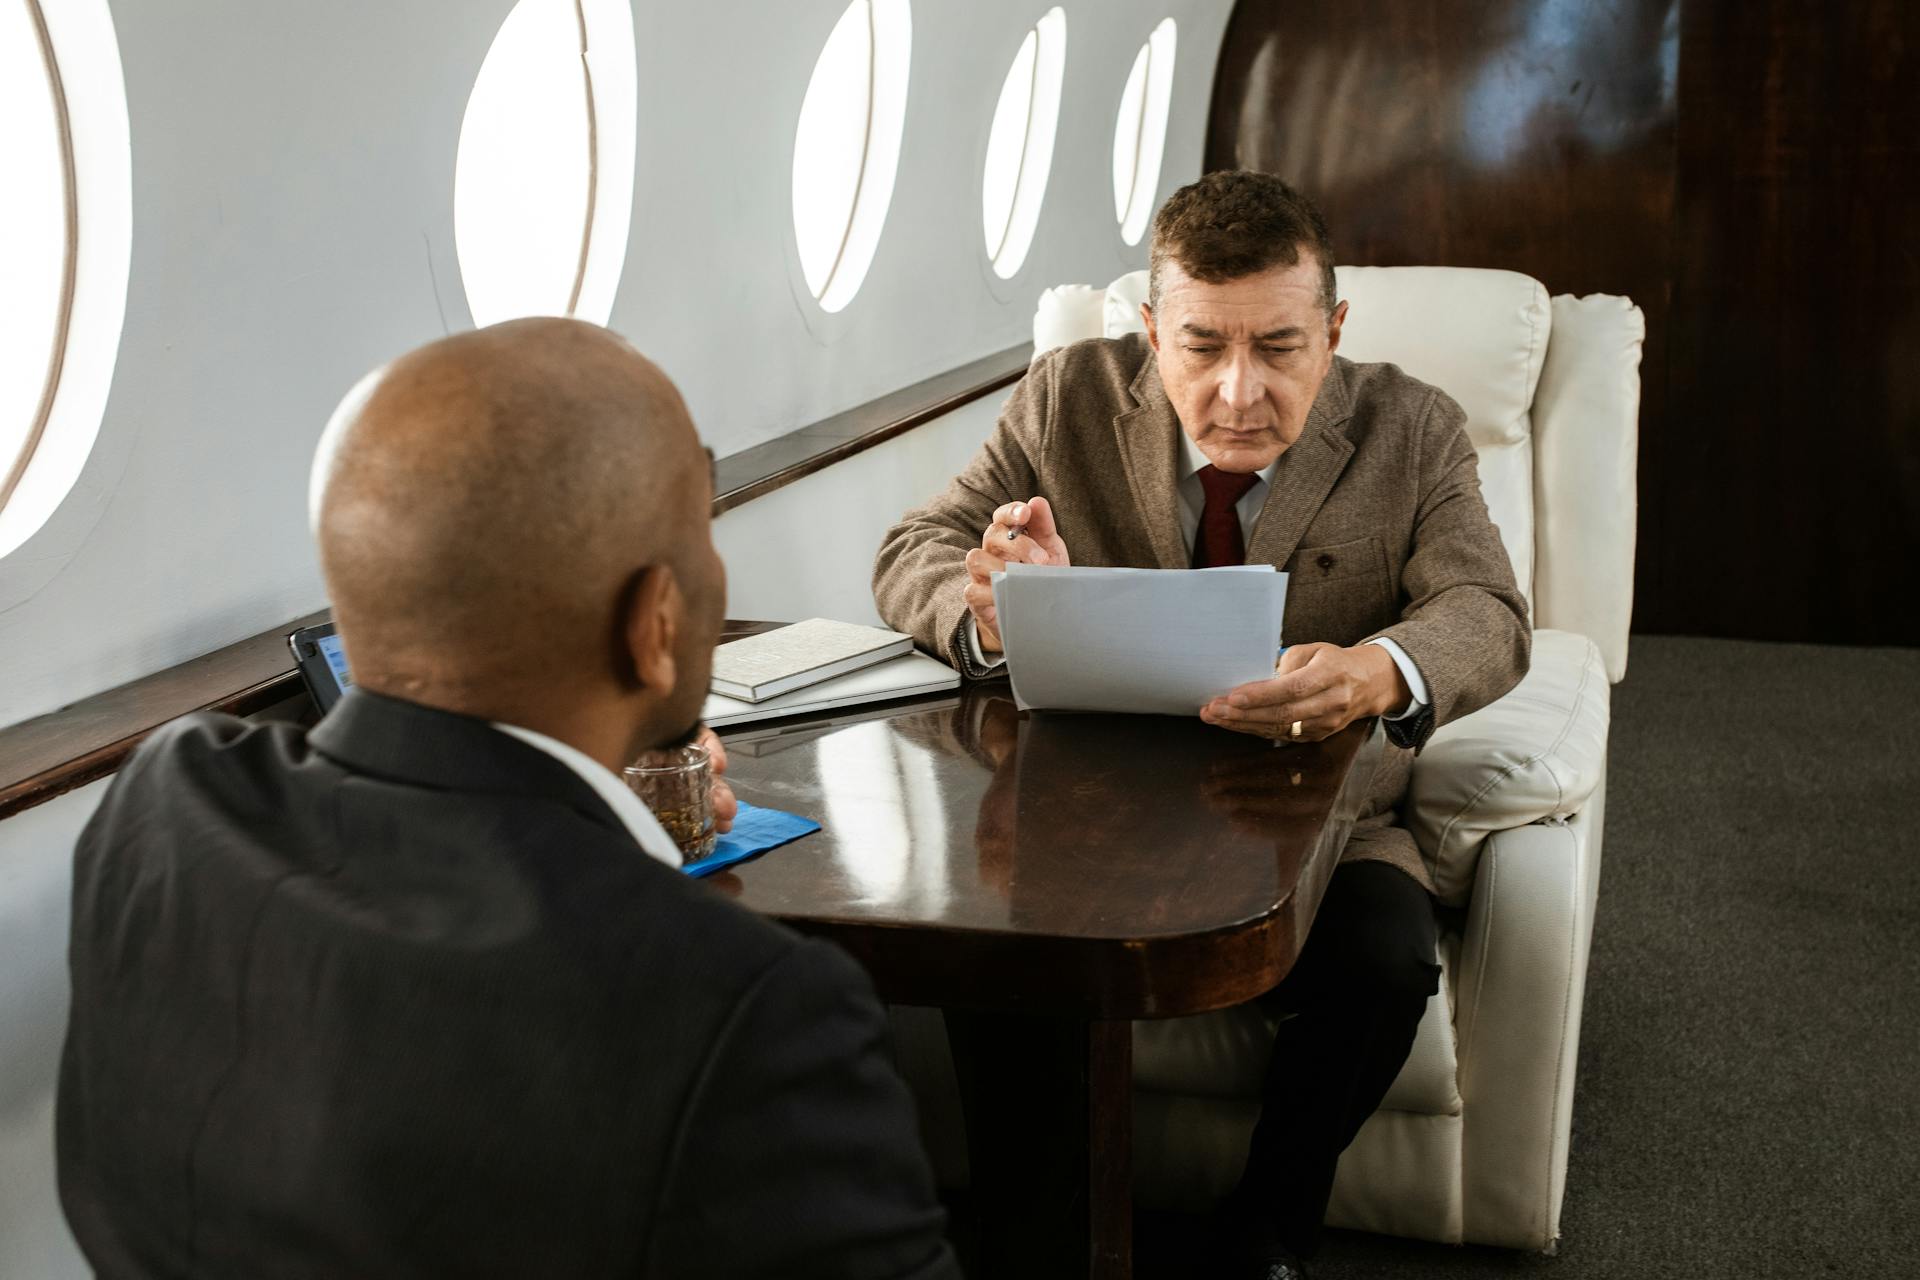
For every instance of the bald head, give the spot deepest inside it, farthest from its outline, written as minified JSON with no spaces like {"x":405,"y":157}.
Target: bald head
{"x":490,"y":513}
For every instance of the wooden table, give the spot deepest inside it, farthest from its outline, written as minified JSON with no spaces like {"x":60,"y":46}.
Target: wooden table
{"x":1047,"y":879}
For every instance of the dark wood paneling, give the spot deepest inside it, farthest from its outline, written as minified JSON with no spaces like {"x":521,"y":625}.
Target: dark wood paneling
{"x":1745,"y":172}
{"x":1791,"y":477}
{"x":1525,"y":134}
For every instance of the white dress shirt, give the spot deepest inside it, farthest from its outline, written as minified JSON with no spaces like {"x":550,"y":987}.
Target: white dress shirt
{"x":635,"y":816}
{"x":1193,"y":500}
{"x":1193,"y":496}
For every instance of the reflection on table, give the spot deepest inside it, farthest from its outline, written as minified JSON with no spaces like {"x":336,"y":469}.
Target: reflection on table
{"x":1047,"y":878}
{"x":1075,"y":840}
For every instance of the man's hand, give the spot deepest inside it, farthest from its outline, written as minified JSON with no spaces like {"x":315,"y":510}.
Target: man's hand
{"x":1324,"y":687}
{"x":1021,"y":532}
{"x":725,"y":806}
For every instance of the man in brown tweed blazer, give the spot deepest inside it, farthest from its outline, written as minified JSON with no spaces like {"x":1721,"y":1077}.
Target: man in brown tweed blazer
{"x":1232,"y":432}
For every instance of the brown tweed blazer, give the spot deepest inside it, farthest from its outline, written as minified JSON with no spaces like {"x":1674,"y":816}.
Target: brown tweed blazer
{"x":1375,"y":513}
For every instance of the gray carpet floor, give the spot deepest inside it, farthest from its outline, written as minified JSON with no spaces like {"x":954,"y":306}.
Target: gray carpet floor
{"x":1748,"y":1098}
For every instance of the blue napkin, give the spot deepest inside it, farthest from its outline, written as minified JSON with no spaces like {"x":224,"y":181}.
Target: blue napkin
{"x":755,"y":830}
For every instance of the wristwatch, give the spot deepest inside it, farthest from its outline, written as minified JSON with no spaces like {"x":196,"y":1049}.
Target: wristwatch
{"x":962,"y":649}
{"x":1413,"y":731}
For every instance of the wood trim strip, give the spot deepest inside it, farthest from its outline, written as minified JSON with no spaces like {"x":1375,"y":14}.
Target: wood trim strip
{"x":53,"y":754}
{"x":756,"y":472}
{"x":46,"y":757}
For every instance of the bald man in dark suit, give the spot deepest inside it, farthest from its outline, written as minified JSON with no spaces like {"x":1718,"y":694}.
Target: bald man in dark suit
{"x":423,"y":992}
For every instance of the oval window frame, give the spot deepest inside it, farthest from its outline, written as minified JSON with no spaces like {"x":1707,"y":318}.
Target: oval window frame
{"x":889,"y":47}
{"x":1044,"y":50}
{"x":1152,"y":73}
{"x":609,"y":62}
{"x":81,"y":53}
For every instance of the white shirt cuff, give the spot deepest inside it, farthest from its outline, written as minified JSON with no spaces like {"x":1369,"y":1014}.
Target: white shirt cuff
{"x":973,"y":645}
{"x":1411,"y":673}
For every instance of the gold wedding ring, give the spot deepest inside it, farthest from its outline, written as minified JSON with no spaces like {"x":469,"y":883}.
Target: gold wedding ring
{"x":1295,"y":731}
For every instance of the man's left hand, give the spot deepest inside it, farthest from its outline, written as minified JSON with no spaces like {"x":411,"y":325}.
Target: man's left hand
{"x":725,"y":806}
{"x":1323,"y":686}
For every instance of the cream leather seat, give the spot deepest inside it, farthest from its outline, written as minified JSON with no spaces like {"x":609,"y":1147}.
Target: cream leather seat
{"x":1470,"y":1143}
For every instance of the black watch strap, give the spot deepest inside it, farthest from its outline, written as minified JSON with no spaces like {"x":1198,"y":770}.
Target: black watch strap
{"x":1411,"y":731}
{"x":962,"y":647}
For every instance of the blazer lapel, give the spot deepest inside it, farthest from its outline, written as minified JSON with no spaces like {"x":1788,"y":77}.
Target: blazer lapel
{"x":1149,"y":443}
{"x":1306,"y":474}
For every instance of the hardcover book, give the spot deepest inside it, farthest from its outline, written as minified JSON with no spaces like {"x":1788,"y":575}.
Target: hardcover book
{"x":793,"y":657}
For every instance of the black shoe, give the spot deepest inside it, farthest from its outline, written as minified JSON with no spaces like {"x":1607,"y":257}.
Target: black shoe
{"x":1244,"y":1246}
{"x":1283,"y":1269}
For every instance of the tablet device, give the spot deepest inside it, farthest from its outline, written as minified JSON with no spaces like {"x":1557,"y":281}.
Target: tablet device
{"x":322,"y":660}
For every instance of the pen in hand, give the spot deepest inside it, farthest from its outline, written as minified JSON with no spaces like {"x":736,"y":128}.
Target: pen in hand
{"x":1016,"y":529}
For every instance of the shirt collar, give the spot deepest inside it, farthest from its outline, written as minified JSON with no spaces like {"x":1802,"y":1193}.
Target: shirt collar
{"x":1196,"y":460}
{"x":634,"y":816}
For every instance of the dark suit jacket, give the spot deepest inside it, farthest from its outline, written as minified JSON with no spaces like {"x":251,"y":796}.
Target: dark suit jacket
{"x":401,"y":997}
{"x":1374,"y":512}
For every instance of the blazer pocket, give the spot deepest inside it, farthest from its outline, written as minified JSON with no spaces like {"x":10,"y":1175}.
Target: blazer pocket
{"x":1339,"y":593}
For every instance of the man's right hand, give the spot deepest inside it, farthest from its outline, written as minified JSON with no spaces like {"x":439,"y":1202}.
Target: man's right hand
{"x":1037,"y":542}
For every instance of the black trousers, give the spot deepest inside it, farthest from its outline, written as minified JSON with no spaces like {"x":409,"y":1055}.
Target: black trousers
{"x":1350,"y":1008}
{"x":1352,"y":1003}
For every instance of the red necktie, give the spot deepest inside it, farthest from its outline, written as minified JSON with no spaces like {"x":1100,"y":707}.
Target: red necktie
{"x":1218,"y":541}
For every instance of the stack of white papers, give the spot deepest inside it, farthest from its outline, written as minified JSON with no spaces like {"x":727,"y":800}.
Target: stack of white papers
{"x":1145,"y":640}
{"x":902,"y":677}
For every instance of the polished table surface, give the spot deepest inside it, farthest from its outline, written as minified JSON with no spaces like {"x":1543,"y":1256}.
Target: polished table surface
{"x":1046,"y":878}
{"x":1099,"y":865}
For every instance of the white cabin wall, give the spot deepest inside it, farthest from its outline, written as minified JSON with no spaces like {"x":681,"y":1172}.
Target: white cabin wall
{"x":712,"y":287}
{"x":36,"y":887}
{"x":807,"y":550}
{"x":292,"y":210}
{"x":292,"y":204}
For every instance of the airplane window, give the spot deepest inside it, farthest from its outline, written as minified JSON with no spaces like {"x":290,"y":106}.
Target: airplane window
{"x":543,"y":180}
{"x":63,"y":277}
{"x":1020,"y":145}
{"x":1140,"y":133}
{"x":847,"y":146}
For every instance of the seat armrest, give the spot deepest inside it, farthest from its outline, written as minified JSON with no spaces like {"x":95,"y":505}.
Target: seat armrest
{"x":1523,"y":964}
{"x":1536,"y":753}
